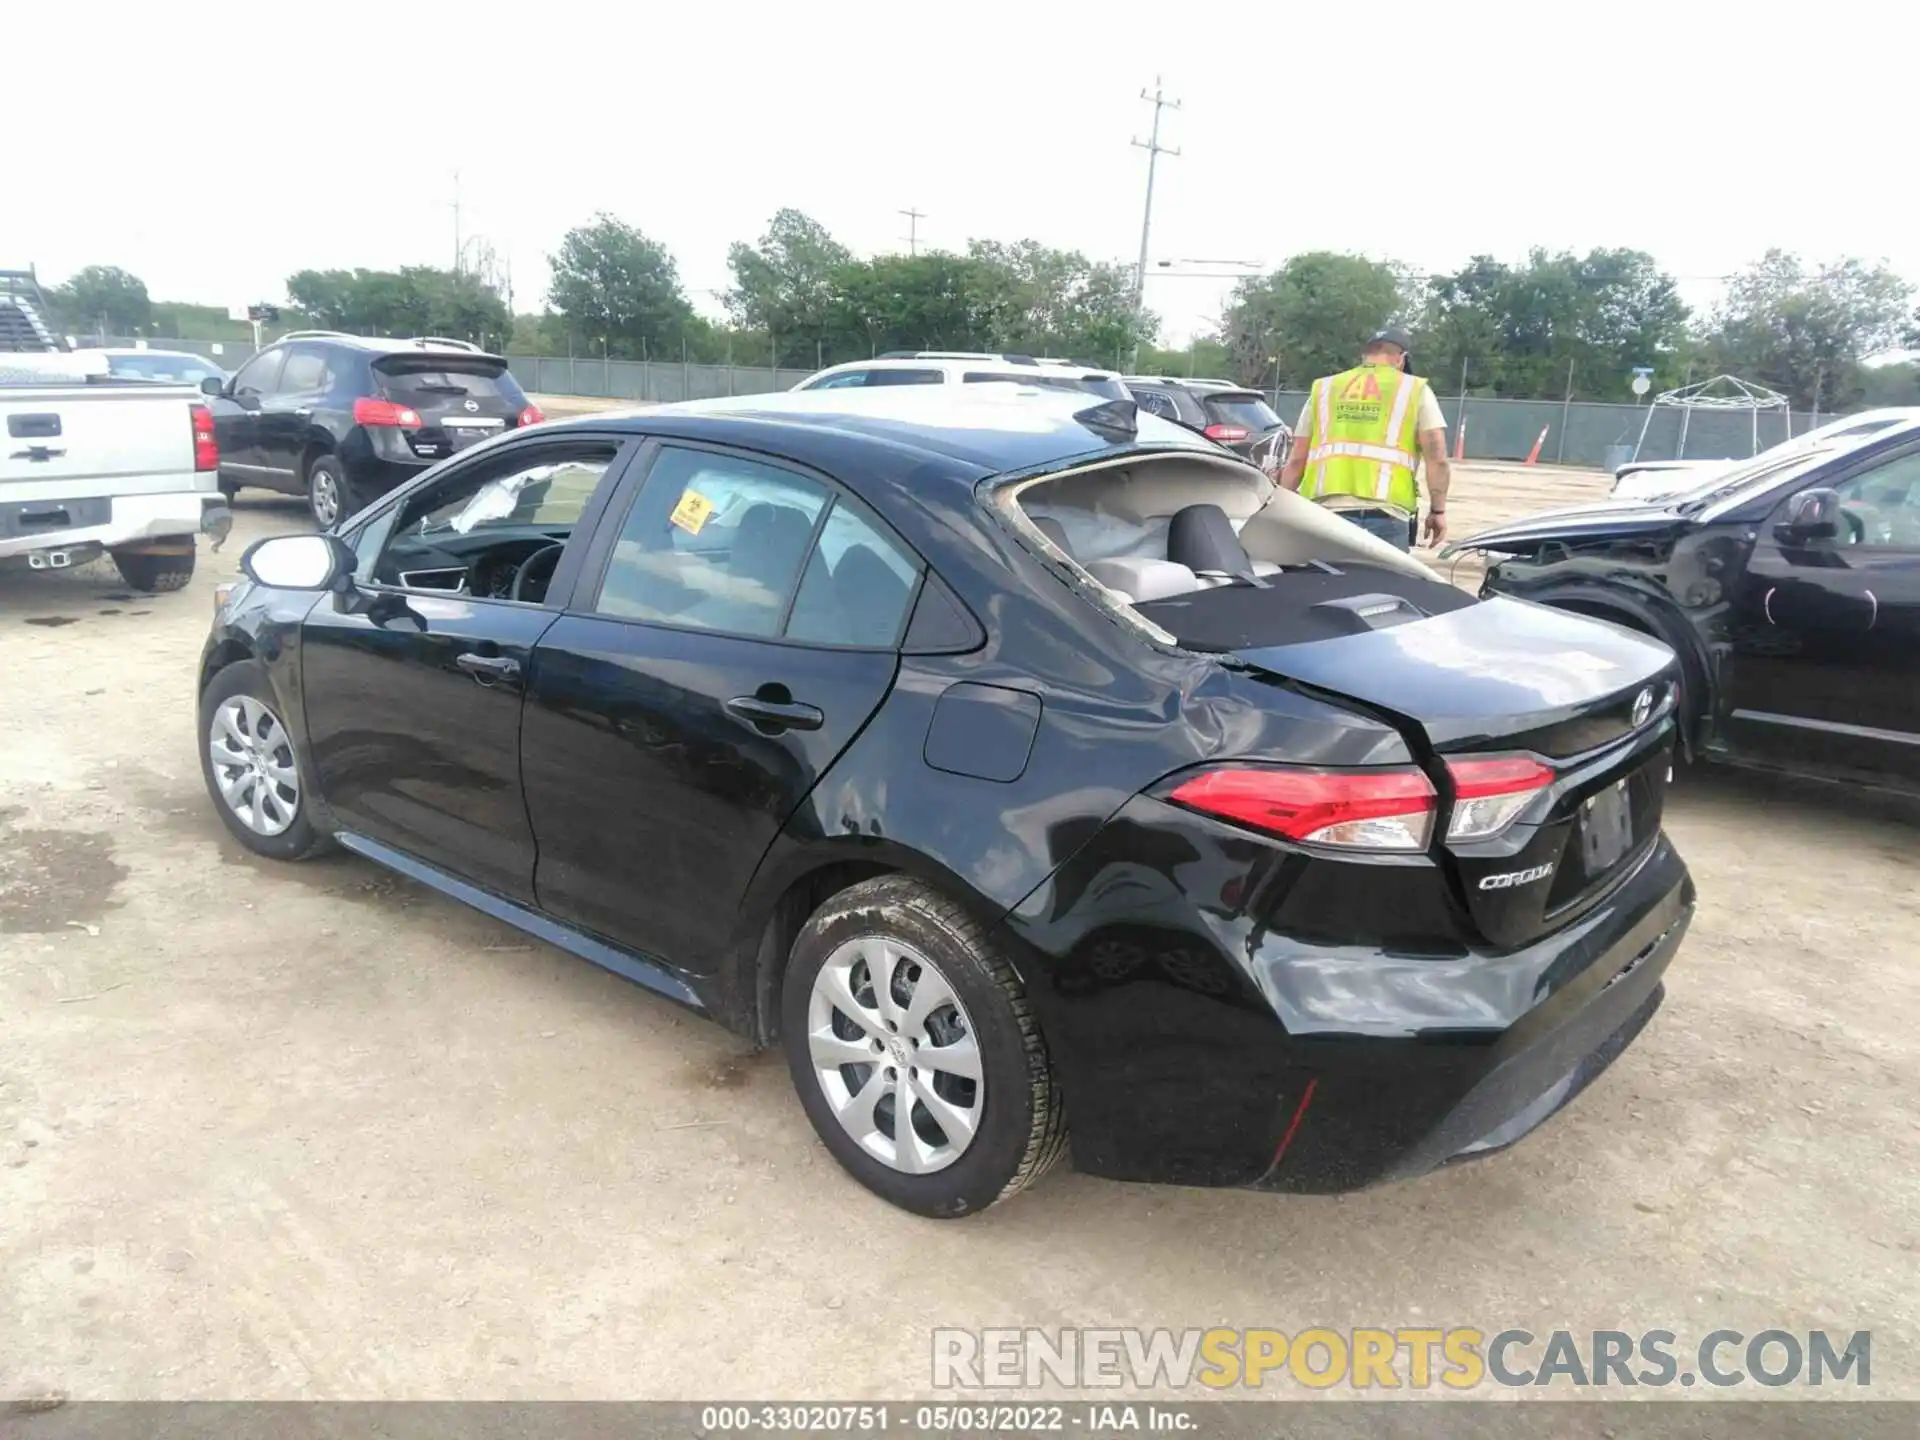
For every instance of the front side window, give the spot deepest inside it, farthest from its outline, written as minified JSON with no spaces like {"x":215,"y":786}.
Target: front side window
{"x":721,"y":542}
{"x":1155,"y":403}
{"x":478,"y":530}
{"x":845,"y":380}
{"x":259,"y":374}
{"x":1881,"y":509}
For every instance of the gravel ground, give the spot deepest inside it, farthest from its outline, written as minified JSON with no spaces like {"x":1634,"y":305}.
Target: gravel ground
{"x":313,"y":1131}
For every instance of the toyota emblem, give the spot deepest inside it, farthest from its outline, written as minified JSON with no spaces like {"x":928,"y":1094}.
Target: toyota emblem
{"x":1642,"y":707}
{"x":473,"y":405}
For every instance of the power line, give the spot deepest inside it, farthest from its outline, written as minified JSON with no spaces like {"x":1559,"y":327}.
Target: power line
{"x":914,"y":217}
{"x":1154,"y":150}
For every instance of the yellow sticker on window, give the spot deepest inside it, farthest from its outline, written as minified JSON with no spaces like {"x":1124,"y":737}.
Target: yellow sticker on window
{"x":692,"y":512}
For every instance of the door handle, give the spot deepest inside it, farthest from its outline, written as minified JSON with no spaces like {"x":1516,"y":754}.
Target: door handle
{"x":775,"y":715}
{"x":488,"y":669}
{"x":303,"y":413}
{"x":36,"y":454}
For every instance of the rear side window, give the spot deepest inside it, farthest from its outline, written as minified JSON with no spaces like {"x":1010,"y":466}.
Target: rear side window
{"x":1087,"y":384}
{"x":1154,"y":402}
{"x":1247,"y":410}
{"x":902,"y":377}
{"x":436,"y":388}
{"x":715,"y":542}
{"x":720,"y":542}
{"x":857,"y":585}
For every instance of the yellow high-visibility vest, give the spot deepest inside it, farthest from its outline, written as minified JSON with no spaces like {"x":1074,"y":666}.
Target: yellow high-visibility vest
{"x":1361,"y":436}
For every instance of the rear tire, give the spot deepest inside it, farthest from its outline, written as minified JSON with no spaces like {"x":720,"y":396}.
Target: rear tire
{"x":254,"y":775}
{"x":329,"y":497}
{"x":154,"y":573}
{"x":864,"y":1036}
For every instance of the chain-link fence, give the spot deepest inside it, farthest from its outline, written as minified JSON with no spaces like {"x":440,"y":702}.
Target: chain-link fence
{"x":1577,"y":432}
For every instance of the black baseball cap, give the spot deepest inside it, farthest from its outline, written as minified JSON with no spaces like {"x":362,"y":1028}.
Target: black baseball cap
{"x":1395,"y":337}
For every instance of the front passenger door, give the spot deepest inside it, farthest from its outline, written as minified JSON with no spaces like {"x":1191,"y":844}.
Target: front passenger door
{"x":745,"y":629}
{"x":413,"y":682}
{"x":1827,"y":663}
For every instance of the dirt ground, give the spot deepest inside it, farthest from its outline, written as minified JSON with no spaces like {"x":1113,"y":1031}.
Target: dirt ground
{"x":314,"y":1132}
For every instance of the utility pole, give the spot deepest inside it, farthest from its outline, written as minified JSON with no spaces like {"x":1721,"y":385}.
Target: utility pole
{"x":914,"y":217}
{"x":456,"y":222}
{"x":1154,"y":150}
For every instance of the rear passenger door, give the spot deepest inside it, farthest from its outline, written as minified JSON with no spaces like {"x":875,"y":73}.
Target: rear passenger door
{"x":730,"y":634}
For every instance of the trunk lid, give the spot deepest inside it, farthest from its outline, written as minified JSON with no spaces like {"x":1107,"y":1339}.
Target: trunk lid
{"x":1592,"y":701}
{"x":461,"y":398}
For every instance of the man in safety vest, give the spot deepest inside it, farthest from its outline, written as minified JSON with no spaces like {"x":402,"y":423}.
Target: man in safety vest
{"x":1360,"y":440}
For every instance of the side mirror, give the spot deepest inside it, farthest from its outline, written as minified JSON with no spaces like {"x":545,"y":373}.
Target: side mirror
{"x":212,"y":385}
{"x":1811,"y":515}
{"x":298,"y":562}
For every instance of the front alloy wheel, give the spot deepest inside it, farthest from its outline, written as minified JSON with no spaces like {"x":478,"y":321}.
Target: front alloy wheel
{"x":253,"y":765}
{"x":253,"y":774}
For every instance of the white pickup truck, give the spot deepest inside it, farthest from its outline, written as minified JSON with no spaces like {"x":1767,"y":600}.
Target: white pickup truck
{"x":92,"y":464}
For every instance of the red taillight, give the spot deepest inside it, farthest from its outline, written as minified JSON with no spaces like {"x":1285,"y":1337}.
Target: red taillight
{"x":1226,"y":434}
{"x":531,"y":416}
{"x":369,"y":411}
{"x":1353,"y":809}
{"x":1490,"y":791}
{"x":206,"y":447}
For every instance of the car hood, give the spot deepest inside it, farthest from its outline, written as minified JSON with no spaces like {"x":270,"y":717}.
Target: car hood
{"x":1578,"y":524}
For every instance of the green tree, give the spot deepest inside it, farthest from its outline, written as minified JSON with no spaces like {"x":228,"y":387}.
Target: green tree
{"x":614,"y":285}
{"x":1805,"y":332}
{"x":786,"y":285}
{"x":414,"y":300}
{"x":1525,"y":330}
{"x":102,"y":298}
{"x":1310,"y":317}
{"x":1040,"y":301}
{"x":931,"y":301}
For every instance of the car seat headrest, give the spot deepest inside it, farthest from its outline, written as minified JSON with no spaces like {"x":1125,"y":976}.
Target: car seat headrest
{"x":1201,"y":537}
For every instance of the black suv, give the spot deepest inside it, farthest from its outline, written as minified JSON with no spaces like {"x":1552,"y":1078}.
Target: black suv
{"x":1226,"y":413}
{"x":343,"y":419}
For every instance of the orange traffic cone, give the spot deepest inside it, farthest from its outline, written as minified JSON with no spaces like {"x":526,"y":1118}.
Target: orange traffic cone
{"x":1533,"y":455}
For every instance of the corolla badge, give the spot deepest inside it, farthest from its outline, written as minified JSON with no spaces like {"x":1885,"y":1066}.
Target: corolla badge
{"x":1508,"y":879}
{"x":1643,"y":707}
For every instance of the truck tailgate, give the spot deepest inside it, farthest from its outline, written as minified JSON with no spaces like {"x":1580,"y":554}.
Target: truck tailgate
{"x":73,"y":442}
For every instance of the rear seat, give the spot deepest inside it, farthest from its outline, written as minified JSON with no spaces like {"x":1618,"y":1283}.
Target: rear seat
{"x":1203,"y":551}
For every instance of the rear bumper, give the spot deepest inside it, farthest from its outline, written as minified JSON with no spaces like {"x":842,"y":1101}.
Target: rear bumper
{"x":112,"y":522}
{"x":1203,"y":1041}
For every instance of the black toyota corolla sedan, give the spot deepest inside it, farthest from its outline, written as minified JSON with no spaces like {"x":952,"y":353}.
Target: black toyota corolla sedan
{"x":1789,"y":588}
{"x":1033,"y":772}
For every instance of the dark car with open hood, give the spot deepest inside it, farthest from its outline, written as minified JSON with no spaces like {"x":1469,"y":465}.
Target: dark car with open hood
{"x":1033,"y":772}
{"x":1789,"y":588}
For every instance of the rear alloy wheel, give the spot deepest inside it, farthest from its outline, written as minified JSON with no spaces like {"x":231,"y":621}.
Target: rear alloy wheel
{"x":327,"y":494}
{"x":252,"y":773}
{"x":915,"y":1053}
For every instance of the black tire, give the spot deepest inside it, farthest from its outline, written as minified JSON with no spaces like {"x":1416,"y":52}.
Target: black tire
{"x":1022,"y":1127}
{"x":153,"y":573}
{"x":301,"y":839}
{"x":330,"y":498}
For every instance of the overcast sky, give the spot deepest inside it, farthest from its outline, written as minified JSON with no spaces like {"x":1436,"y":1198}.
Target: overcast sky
{"x":212,"y":152}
